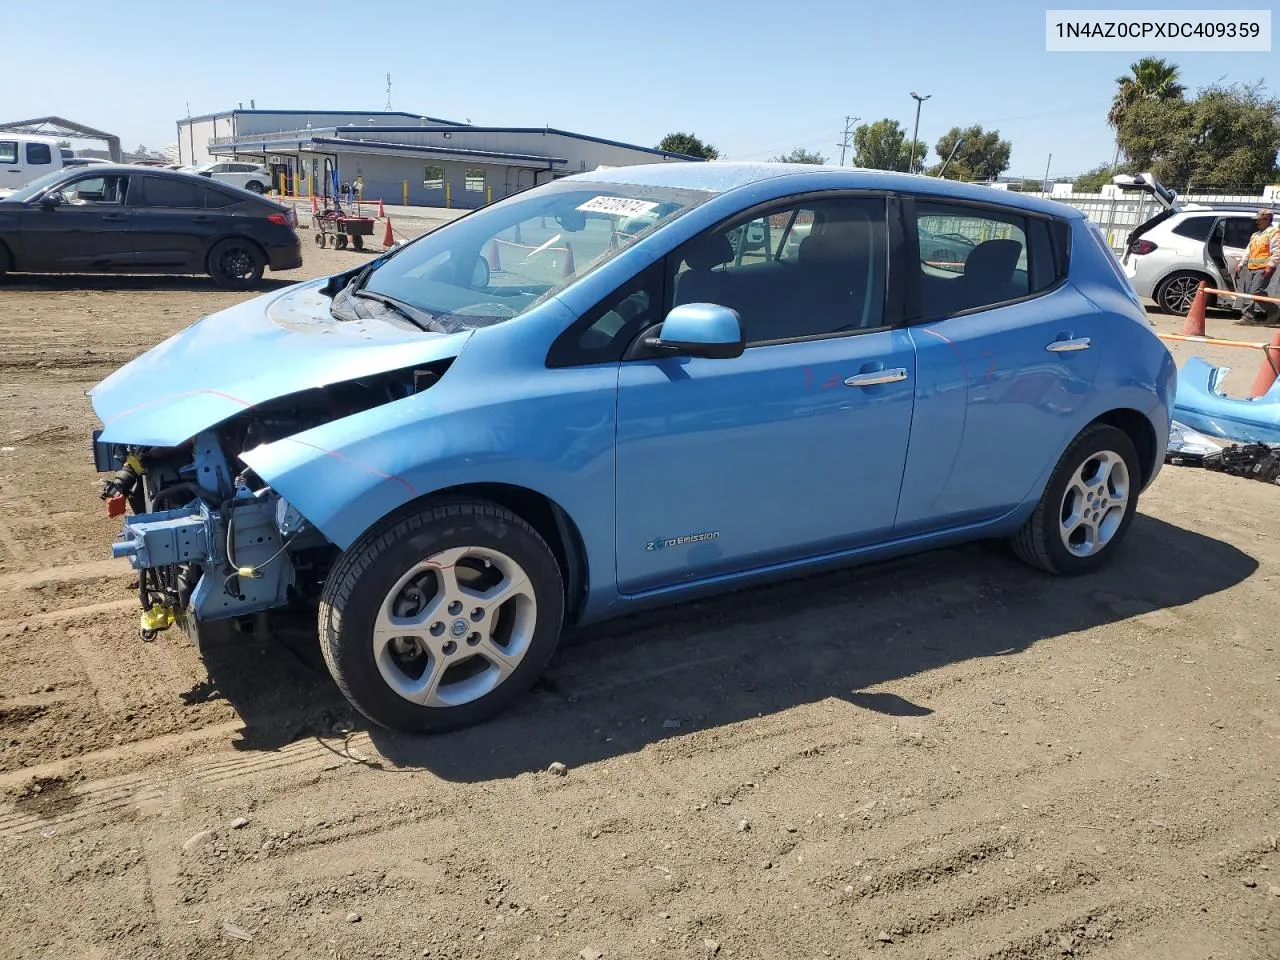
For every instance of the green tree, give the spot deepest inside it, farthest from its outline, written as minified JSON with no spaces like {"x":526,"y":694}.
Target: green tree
{"x":982,"y":155}
{"x":689,"y":145}
{"x":1225,"y":138}
{"x":883,"y":145}
{"x":1092,"y":181}
{"x":1151,"y":78}
{"x":800,"y":155}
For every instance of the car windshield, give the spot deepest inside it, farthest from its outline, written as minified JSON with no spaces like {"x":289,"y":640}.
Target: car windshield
{"x":37,"y":186}
{"x":502,"y":260}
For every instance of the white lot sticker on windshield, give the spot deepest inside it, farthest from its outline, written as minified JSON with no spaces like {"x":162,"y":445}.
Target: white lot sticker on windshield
{"x":623,"y":205}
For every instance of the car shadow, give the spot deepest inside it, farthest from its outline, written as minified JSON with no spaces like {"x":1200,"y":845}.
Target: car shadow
{"x":613,"y":688}
{"x":35,"y":282}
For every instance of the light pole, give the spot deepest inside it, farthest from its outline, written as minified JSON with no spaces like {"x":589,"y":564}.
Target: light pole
{"x":919,"y":100}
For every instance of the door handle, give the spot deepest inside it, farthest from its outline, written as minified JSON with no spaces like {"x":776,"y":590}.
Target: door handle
{"x":876,"y":377}
{"x":1065,"y":346}
{"x":113,"y":216}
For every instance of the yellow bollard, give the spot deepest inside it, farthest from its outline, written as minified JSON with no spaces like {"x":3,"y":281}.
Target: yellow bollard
{"x":488,"y":195}
{"x":448,"y":195}
{"x":406,"y":193}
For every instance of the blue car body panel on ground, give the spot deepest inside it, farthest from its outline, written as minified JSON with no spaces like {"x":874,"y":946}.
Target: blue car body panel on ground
{"x":1202,"y":405}
{"x":682,"y":474}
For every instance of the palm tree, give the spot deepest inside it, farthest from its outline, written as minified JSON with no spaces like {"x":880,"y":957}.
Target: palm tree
{"x":1151,"y":78}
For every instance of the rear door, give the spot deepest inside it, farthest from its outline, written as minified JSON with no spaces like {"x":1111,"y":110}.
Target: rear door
{"x":171,"y":226}
{"x":1006,"y":353}
{"x":1234,"y":233}
{"x":88,"y":231}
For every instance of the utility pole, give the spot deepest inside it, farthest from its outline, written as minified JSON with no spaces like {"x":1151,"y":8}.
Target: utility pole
{"x":388,"y":93}
{"x":1046,"y":173}
{"x":848,"y":132}
{"x":919,"y":100}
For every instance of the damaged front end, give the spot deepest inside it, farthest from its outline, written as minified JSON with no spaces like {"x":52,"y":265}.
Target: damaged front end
{"x":207,"y":544}
{"x":210,"y":539}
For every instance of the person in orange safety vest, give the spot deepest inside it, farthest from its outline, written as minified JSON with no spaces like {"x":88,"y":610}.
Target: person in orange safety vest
{"x":1258,"y":267}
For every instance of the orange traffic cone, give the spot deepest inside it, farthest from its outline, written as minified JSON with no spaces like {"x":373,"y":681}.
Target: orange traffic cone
{"x":566,"y":267}
{"x":1194,"y":324}
{"x":1266,"y":375}
{"x":315,"y":205}
{"x":382,"y":211}
{"x":388,"y":238}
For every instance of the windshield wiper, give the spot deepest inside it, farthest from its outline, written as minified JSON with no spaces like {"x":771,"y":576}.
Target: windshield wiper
{"x":415,"y":315}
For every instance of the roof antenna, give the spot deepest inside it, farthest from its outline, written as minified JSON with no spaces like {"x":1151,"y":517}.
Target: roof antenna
{"x":953,"y":153}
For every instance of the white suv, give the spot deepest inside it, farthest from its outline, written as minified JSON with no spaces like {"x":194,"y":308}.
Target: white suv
{"x":250,"y":176}
{"x":1168,"y":256}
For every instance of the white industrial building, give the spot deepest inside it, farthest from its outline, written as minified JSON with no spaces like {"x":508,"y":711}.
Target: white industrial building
{"x":402,"y":157}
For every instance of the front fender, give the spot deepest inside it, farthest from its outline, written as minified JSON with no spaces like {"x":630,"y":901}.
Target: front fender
{"x":552,"y":435}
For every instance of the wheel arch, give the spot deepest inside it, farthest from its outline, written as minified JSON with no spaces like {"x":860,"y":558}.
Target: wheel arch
{"x":552,"y":522}
{"x":1139,"y":428}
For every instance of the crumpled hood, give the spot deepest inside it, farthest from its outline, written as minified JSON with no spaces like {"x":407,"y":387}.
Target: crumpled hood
{"x":268,"y":347}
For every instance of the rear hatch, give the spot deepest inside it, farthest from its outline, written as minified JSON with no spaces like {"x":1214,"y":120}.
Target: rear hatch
{"x":1148,"y":184}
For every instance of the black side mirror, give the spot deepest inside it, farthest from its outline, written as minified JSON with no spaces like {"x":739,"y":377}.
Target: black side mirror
{"x":52,"y":199}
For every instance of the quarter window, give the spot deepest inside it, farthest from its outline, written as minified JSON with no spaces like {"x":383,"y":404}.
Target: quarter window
{"x":805,"y":270}
{"x":39,"y":153}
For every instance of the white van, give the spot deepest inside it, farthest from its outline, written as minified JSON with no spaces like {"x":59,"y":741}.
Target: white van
{"x":23,"y":157}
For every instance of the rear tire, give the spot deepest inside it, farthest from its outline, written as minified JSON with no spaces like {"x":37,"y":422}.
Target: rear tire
{"x":255,"y":187}
{"x":1176,"y":291}
{"x":236,"y":264}
{"x":441,"y":616}
{"x":1087,"y":505}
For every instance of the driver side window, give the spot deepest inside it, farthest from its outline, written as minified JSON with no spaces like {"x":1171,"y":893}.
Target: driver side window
{"x":811,"y":269}
{"x":96,"y":190}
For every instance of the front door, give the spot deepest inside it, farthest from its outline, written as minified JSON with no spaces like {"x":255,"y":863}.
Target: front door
{"x":794,"y":449}
{"x":88,"y":231}
{"x":1006,"y":357}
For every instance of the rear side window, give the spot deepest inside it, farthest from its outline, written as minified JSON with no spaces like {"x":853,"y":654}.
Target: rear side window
{"x":8,"y":151}
{"x":1194,"y":228}
{"x":970,"y":258}
{"x":1236,"y":232}
{"x":160,"y":192}
{"x":38,"y":153}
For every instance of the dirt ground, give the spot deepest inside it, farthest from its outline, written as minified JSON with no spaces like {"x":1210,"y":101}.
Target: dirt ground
{"x":948,"y":756}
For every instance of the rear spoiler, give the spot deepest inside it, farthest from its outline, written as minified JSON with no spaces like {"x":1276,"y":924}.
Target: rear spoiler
{"x":1146,"y":183}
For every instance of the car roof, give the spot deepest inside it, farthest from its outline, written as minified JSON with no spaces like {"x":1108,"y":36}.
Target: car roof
{"x":722,"y":176}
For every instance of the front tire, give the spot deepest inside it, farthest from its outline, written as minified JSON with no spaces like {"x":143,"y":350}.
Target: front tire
{"x":441,"y":616}
{"x":1087,"y":506}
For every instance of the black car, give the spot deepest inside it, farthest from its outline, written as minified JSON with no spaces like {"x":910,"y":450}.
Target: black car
{"x":120,"y":218}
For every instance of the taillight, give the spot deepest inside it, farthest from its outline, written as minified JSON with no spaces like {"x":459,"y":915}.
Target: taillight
{"x":278,"y":218}
{"x":1141,"y":246}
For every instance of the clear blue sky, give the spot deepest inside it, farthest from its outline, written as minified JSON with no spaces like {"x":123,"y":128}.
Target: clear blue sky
{"x":753,"y":77}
